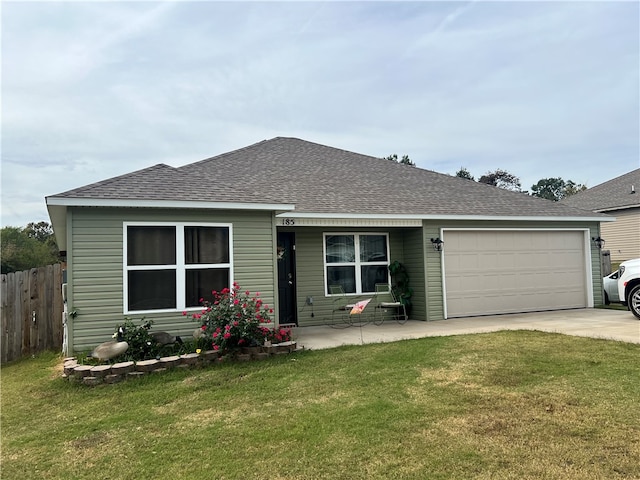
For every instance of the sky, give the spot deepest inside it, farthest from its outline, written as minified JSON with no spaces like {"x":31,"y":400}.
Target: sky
{"x":91,"y":90}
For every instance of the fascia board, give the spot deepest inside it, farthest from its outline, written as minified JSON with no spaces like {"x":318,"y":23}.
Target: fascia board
{"x":603,"y":218}
{"x":187,"y":204}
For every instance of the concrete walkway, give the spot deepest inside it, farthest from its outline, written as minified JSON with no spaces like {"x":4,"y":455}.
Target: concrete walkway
{"x":588,"y":322}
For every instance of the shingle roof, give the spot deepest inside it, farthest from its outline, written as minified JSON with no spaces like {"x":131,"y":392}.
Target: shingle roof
{"x":612,"y":195}
{"x":323,"y":180}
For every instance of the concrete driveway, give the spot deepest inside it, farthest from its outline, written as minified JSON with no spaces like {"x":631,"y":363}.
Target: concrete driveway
{"x":587,"y":322}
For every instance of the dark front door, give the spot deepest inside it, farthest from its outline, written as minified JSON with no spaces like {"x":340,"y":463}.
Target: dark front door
{"x":286,"y":277}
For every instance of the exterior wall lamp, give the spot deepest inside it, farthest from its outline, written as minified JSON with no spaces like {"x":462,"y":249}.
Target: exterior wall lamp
{"x":599,"y":242}
{"x":437,"y":244}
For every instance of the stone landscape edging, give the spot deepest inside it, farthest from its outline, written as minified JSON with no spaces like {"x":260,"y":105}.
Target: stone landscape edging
{"x":92,"y":375}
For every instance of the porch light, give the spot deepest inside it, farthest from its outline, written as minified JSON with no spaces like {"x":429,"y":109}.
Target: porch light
{"x":599,"y":242}
{"x":437,"y":244}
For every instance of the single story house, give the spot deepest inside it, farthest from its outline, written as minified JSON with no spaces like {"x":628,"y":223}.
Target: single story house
{"x":619,"y":197}
{"x":291,"y":219}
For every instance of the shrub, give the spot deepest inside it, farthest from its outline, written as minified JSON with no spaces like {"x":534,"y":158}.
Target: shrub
{"x":279,"y":335}
{"x":232,"y":320}
{"x":142,"y":346}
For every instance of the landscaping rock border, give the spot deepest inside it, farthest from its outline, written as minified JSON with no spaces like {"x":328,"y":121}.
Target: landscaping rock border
{"x":92,"y":375}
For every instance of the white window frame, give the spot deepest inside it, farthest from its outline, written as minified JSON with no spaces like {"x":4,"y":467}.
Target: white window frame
{"x":357,"y":264}
{"x":180,"y":266}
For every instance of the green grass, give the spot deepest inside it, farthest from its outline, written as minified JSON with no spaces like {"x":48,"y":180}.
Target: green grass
{"x":508,"y":405}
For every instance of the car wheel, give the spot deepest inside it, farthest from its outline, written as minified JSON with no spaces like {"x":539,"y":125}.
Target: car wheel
{"x":606,"y":299}
{"x":633,"y":300}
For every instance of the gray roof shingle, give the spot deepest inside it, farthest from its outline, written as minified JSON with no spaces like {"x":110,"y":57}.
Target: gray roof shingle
{"x":323,"y":180}
{"x":612,"y":195}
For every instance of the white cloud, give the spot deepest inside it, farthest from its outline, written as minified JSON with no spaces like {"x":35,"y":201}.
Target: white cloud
{"x":99,"y":89}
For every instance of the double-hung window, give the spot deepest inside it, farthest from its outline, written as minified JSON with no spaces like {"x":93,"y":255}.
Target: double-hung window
{"x":356,"y":261}
{"x":171,"y":266}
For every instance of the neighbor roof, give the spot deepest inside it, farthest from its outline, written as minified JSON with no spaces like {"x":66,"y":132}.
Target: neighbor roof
{"x":315,"y":179}
{"x":616,"y":194}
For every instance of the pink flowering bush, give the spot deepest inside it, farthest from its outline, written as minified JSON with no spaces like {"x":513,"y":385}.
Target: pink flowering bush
{"x":279,"y":335}
{"x":232,"y":320}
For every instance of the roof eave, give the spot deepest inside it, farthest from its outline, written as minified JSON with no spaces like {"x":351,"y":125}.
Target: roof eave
{"x":57,"y":208}
{"x":58,"y":216}
{"x":599,"y":218}
{"x":188,"y":204}
{"x":615,"y":209}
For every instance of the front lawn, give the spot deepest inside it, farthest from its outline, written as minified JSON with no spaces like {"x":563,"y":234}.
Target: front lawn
{"x":507,"y":405}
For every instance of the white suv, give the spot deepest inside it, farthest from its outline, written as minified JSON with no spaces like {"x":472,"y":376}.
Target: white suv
{"x":629,"y":285}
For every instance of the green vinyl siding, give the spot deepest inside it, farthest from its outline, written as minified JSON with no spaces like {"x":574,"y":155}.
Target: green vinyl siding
{"x":414,"y":262}
{"x":433,"y":270}
{"x":310,"y":278}
{"x":95,"y":264}
{"x":310,"y":270}
{"x":596,"y":265}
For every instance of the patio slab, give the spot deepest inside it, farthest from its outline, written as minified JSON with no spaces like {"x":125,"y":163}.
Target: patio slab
{"x":586,"y":322}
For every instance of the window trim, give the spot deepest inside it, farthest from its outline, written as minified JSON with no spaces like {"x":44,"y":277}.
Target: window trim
{"x":180,"y":266}
{"x":357,"y":264}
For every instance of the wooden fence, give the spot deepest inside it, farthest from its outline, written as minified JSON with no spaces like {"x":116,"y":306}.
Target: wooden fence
{"x":31,"y":312}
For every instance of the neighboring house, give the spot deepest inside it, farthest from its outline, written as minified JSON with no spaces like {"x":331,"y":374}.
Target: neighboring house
{"x":290,"y":219}
{"x":619,"y":197}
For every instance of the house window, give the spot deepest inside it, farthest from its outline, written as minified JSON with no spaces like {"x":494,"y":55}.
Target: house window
{"x":356,"y":261}
{"x":172,"y":266}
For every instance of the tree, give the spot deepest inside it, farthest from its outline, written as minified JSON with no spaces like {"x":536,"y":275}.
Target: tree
{"x":501,"y":179}
{"x":555,"y":188}
{"x":29,"y":247}
{"x":571,"y":188}
{"x":464,"y":173}
{"x":405,"y":159}
{"x":41,"y":231}
{"x":549,"y":188}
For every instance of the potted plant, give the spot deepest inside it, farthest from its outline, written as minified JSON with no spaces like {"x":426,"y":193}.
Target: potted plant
{"x":400,"y":284}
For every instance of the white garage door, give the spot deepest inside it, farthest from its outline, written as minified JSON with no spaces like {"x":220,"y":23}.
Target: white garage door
{"x":497,"y":271}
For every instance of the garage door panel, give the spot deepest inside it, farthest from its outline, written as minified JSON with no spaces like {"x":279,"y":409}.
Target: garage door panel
{"x":567,"y":260}
{"x":509,"y":260}
{"x":491,"y":272}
